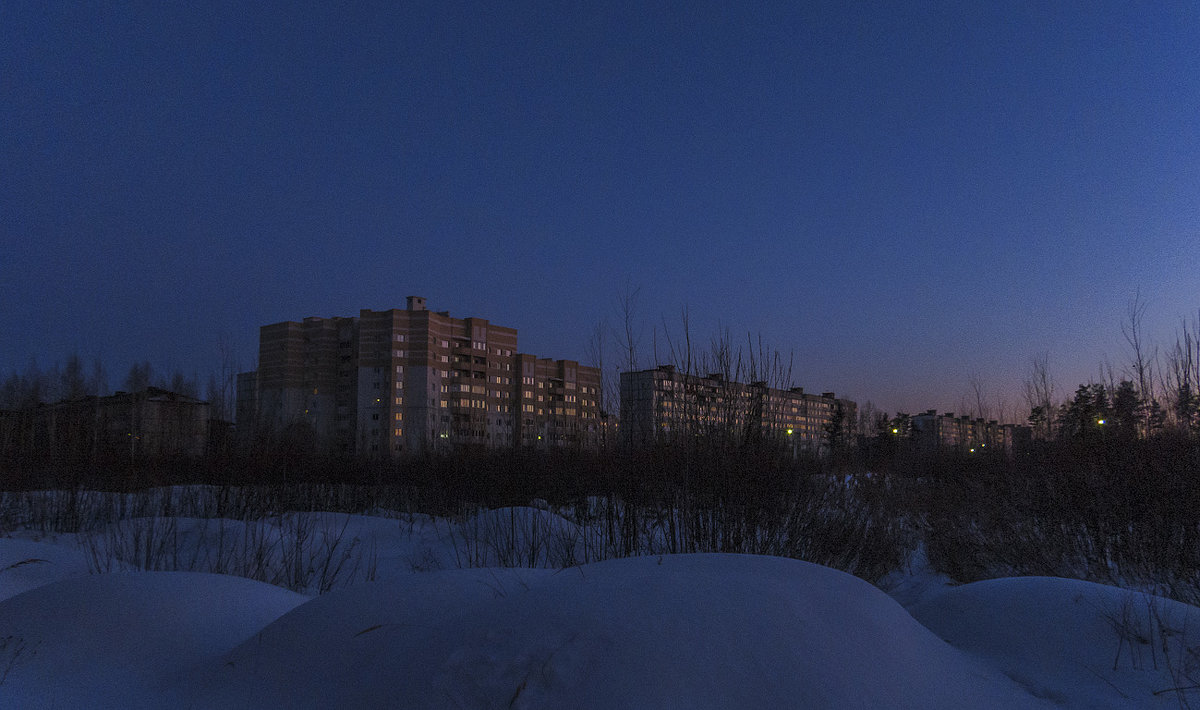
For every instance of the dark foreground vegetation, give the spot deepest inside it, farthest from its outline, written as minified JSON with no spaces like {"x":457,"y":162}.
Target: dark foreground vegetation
{"x":1122,"y":510}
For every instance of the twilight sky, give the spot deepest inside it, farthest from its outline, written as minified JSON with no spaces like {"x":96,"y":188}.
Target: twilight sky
{"x":900,"y":197}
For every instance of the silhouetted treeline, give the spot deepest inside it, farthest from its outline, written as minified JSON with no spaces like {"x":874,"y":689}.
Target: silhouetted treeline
{"x":74,"y":379}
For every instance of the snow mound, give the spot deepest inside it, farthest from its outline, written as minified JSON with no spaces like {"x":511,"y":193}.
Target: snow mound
{"x":26,"y":564}
{"x":122,"y":640}
{"x":692,"y":631}
{"x":1079,"y":644}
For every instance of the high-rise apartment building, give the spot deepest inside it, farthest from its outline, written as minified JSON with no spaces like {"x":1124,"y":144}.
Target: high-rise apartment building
{"x":664,"y":403}
{"x":395,"y":381}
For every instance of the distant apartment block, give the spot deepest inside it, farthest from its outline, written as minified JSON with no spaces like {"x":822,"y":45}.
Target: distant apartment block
{"x":414,"y":380}
{"x":664,"y":403}
{"x":944,"y":432}
{"x":150,"y":423}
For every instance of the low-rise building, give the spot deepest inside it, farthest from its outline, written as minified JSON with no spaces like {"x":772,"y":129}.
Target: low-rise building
{"x":150,"y":423}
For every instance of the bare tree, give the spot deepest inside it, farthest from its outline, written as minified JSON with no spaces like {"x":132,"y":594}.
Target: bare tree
{"x":627,"y":338}
{"x":1039,"y":395}
{"x":1141,"y":365}
{"x":184,"y":385}
{"x":222,"y":389}
{"x":73,"y":381}
{"x":609,"y":391}
{"x":627,"y":307}
{"x":681,"y":354}
{"x":1004,"y":412}
{"x":982,"y":408}
{"x":215,"y":395}
{"x":595,"y":353}
{"x":98,"y":380}
{"x":1182,"y":377}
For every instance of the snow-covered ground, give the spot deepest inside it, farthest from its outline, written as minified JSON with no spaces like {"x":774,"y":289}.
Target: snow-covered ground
{"x":83,"y":625}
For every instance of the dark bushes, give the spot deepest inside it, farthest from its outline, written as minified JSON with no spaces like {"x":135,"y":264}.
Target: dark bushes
{"x":1121,"y":511}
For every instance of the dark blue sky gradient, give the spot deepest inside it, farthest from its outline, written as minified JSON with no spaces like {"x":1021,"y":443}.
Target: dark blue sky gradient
{"x":900,"y":196}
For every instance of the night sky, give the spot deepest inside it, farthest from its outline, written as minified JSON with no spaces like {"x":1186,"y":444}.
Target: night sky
{"x":900,"y":196}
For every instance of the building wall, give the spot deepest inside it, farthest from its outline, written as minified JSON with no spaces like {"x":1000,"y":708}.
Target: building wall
{"x":557,"y":403}
{"x":306,"y":378}
{"x":430,"y":380}
{"x":663,"y":403}
{"x":942,"y":432}
{"x":150,"y":423}
{"x":414,"y":380}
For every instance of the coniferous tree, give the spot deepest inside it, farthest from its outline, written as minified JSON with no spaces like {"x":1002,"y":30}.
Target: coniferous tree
{"x":1156,"y":417}
{"x":1187,"y":408}
{"x":1127,"y":409}
{"x":1085,"y":413}
{"x":835,"y":429}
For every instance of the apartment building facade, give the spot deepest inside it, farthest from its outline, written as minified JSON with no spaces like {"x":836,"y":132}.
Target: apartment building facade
{"x":559,"y":403}
{"x":413,"y":380}
{"x":945,"y":432}
{"x":663,"y":403}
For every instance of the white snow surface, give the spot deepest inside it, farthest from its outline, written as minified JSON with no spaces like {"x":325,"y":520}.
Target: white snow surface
{"x":684,"y":631}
